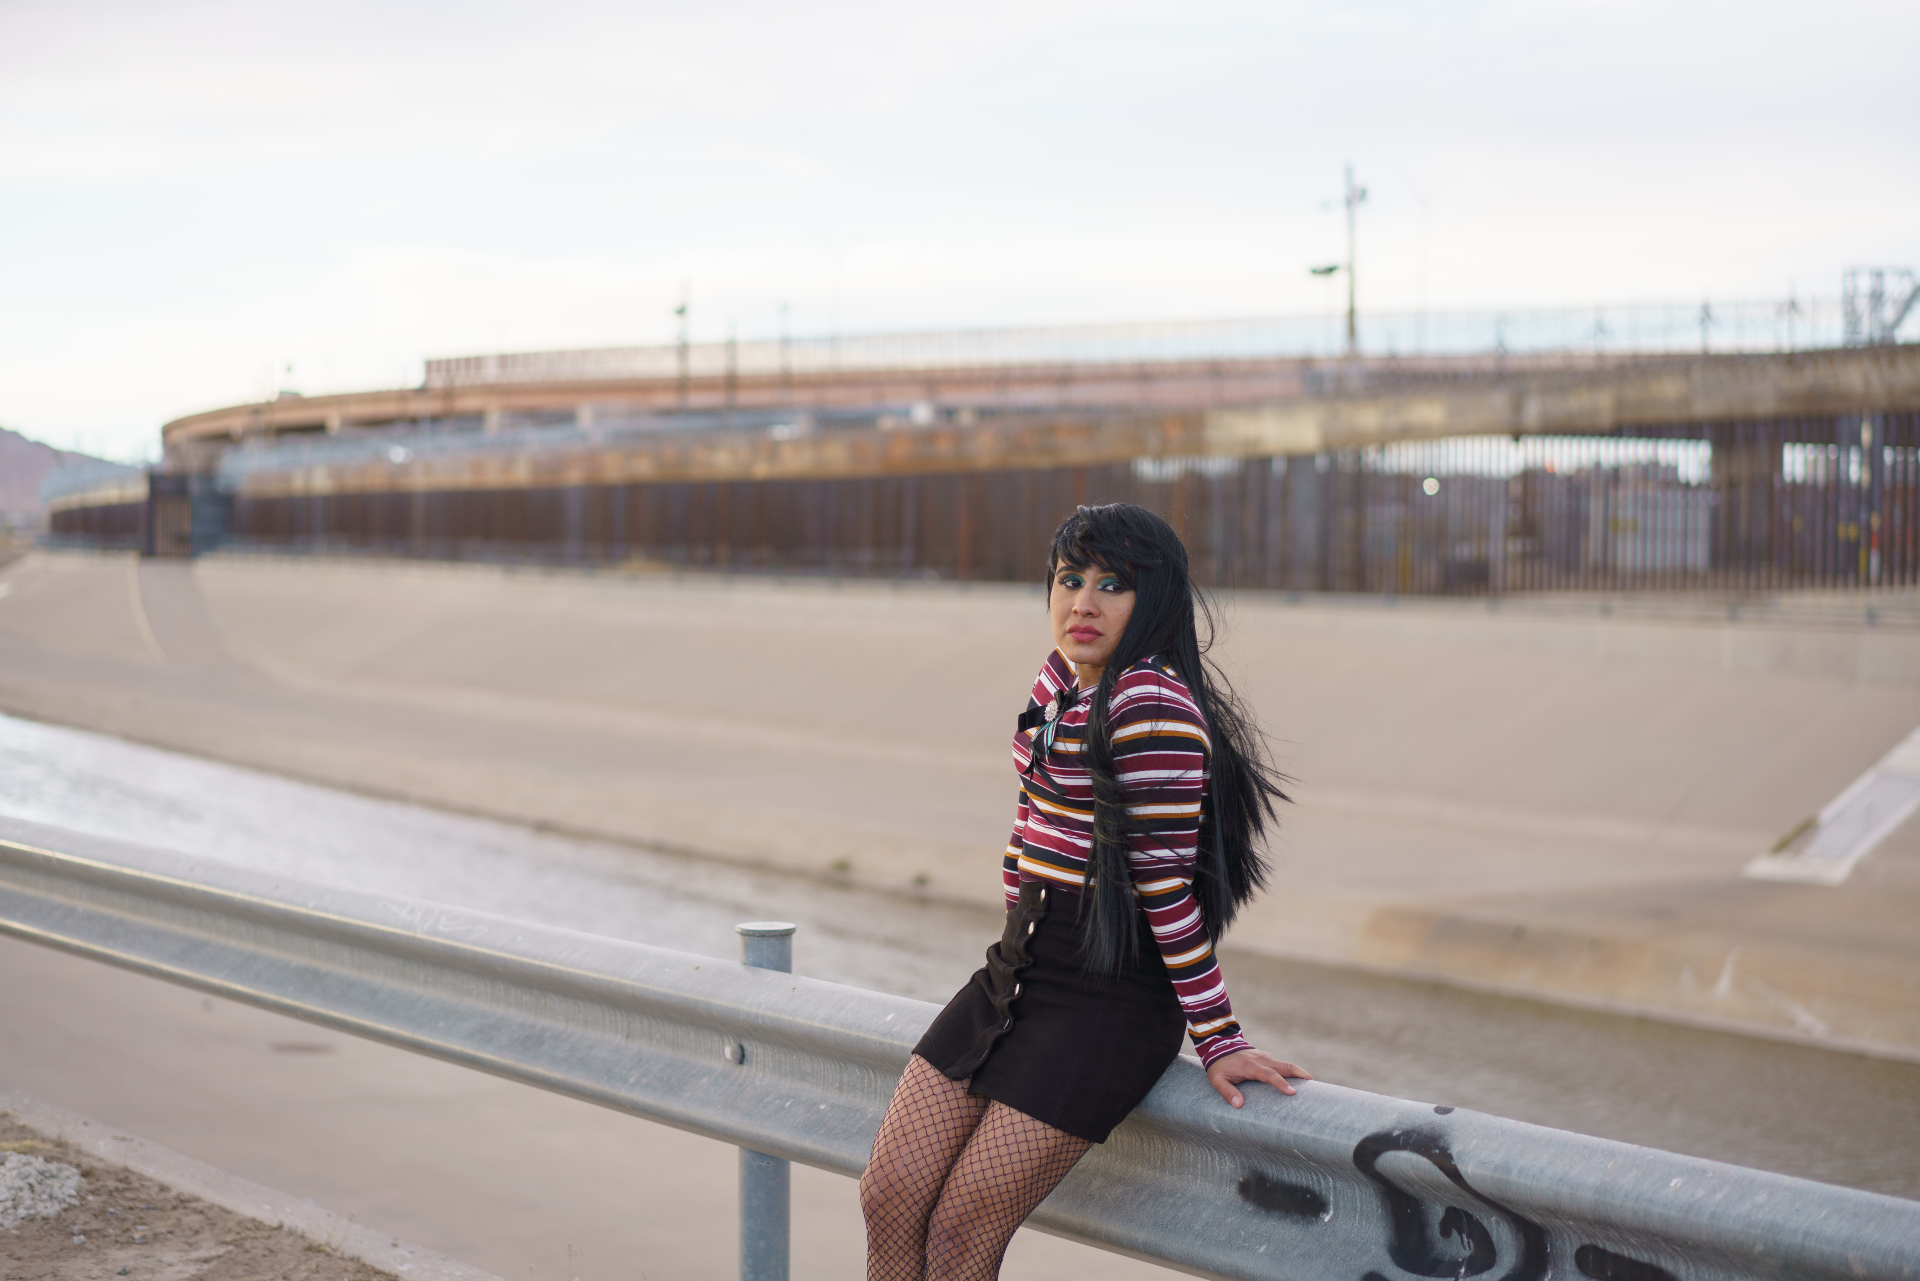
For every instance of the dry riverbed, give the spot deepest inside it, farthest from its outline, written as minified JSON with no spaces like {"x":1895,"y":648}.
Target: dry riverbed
{"x":126,"y":1225}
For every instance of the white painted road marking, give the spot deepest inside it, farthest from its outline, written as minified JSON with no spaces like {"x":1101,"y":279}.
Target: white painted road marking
{"x":1855,"y":821}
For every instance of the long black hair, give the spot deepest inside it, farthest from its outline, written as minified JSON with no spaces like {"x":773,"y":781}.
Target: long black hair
{"x":1146,"y":554}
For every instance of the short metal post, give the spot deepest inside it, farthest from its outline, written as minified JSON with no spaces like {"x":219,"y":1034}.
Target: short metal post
{"x":766,"y":1182}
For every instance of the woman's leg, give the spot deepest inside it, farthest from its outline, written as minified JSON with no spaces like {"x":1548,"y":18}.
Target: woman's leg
{"x":926,"y":1126}
{"x":1009,"y":1165}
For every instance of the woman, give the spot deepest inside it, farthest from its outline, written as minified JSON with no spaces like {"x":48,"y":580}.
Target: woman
{"x":1143,"y":792}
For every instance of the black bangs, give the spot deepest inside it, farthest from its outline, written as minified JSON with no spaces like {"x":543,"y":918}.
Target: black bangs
{"x":1115,"y":537}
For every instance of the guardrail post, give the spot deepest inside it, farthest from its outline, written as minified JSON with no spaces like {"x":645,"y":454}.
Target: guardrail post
{"x":766,"y":1182}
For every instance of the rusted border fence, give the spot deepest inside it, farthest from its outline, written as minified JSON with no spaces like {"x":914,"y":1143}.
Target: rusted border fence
{"x":1830,"y":502}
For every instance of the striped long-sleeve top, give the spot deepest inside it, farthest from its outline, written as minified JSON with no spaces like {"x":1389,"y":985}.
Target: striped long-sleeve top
{"x":1161,"y":752}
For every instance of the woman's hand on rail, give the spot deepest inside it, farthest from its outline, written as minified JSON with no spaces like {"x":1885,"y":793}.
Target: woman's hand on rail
{"x":1229,"y":1070}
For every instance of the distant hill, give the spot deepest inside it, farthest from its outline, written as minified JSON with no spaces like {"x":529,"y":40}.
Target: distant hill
{"x":24,"y":463}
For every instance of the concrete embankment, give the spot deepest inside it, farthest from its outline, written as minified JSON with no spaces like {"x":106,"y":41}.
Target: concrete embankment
{"x":1538,"y":799}
{"x":140,"y":1209}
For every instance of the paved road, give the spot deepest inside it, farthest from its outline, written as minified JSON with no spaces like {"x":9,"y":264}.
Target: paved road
{"x":1529,"y":799}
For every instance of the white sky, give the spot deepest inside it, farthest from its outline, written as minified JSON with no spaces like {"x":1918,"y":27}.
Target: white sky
{"x":194,"y":195}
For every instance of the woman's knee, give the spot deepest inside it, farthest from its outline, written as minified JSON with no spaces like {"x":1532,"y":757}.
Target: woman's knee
{"x":886,"y":1190}
{"x":958,"y":1228}
{"x":963,"y":1245}
{"x":877,"y":1188}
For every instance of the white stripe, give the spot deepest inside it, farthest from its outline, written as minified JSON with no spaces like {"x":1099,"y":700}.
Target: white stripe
{"x":1166,"y":853}
{"x":1162,"y":696}
{"x":1071,"y":838}
{"x":1204,"y":999}
{"x":1150,"y":678}
{"x":1177,"y":928}
{"x":1052,"y":873}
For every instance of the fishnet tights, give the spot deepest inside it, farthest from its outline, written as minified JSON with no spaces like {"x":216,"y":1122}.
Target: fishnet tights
{"x":951,"y":1177}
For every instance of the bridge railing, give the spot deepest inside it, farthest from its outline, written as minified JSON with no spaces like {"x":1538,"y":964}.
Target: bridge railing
{"x":1331,"y":1183}
{"x":1727,"y":325}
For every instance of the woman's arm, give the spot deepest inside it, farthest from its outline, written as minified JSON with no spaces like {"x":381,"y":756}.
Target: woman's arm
{"x":1010,"y":865}
{"x":1160,"y":751}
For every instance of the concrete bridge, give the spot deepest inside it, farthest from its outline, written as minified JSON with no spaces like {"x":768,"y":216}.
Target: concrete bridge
{"x":1470,"y":474}
{"x":1069,"y":416}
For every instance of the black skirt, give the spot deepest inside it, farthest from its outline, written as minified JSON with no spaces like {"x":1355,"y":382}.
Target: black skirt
{"x":1033,"y":1030}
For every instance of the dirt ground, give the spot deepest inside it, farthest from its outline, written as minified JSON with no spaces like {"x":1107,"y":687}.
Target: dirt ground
{"x":130,"y":1226}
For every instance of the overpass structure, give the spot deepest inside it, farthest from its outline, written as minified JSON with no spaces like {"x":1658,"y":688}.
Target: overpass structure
{"x":962,"y":374}
{"x":1453,"y":473}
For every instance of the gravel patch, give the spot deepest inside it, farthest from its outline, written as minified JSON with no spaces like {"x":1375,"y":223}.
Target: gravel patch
{"x":32,"y":1187}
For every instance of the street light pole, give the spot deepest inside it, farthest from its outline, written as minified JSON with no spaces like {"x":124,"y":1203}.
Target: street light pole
{"x":685,"y":353}
{"x":1355,"y":197}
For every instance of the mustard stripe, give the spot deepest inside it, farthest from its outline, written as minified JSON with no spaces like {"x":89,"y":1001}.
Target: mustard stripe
{"x":1127,"y":734}
{"x":1047,"y":870}
{"x":1061,"y":809}
{"x":1166,"y":886}
{"x":1133,"y":729}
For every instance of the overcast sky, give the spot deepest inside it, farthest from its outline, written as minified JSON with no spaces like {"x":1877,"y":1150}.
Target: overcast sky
{"x":195,"y":195}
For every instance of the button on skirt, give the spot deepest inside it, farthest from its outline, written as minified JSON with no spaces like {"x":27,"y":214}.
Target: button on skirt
{"x":1034,"y":1030}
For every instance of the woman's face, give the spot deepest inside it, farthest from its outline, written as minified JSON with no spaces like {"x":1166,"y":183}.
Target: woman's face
{"x":1090,"y":607}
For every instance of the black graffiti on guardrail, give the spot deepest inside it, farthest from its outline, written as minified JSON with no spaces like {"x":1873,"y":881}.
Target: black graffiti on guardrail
{"x":1414,"y":1247}
{"x":1605,"y":1265}
{"x":1294,"y":1199}
{"x":1461,"y":1245}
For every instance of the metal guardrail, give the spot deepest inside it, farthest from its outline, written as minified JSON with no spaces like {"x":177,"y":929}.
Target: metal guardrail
{"x":766,"y":1182}
{"x":1332,"y":1183}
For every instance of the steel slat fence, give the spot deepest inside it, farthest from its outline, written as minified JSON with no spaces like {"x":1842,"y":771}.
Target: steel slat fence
{"x":1757,"y":506}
